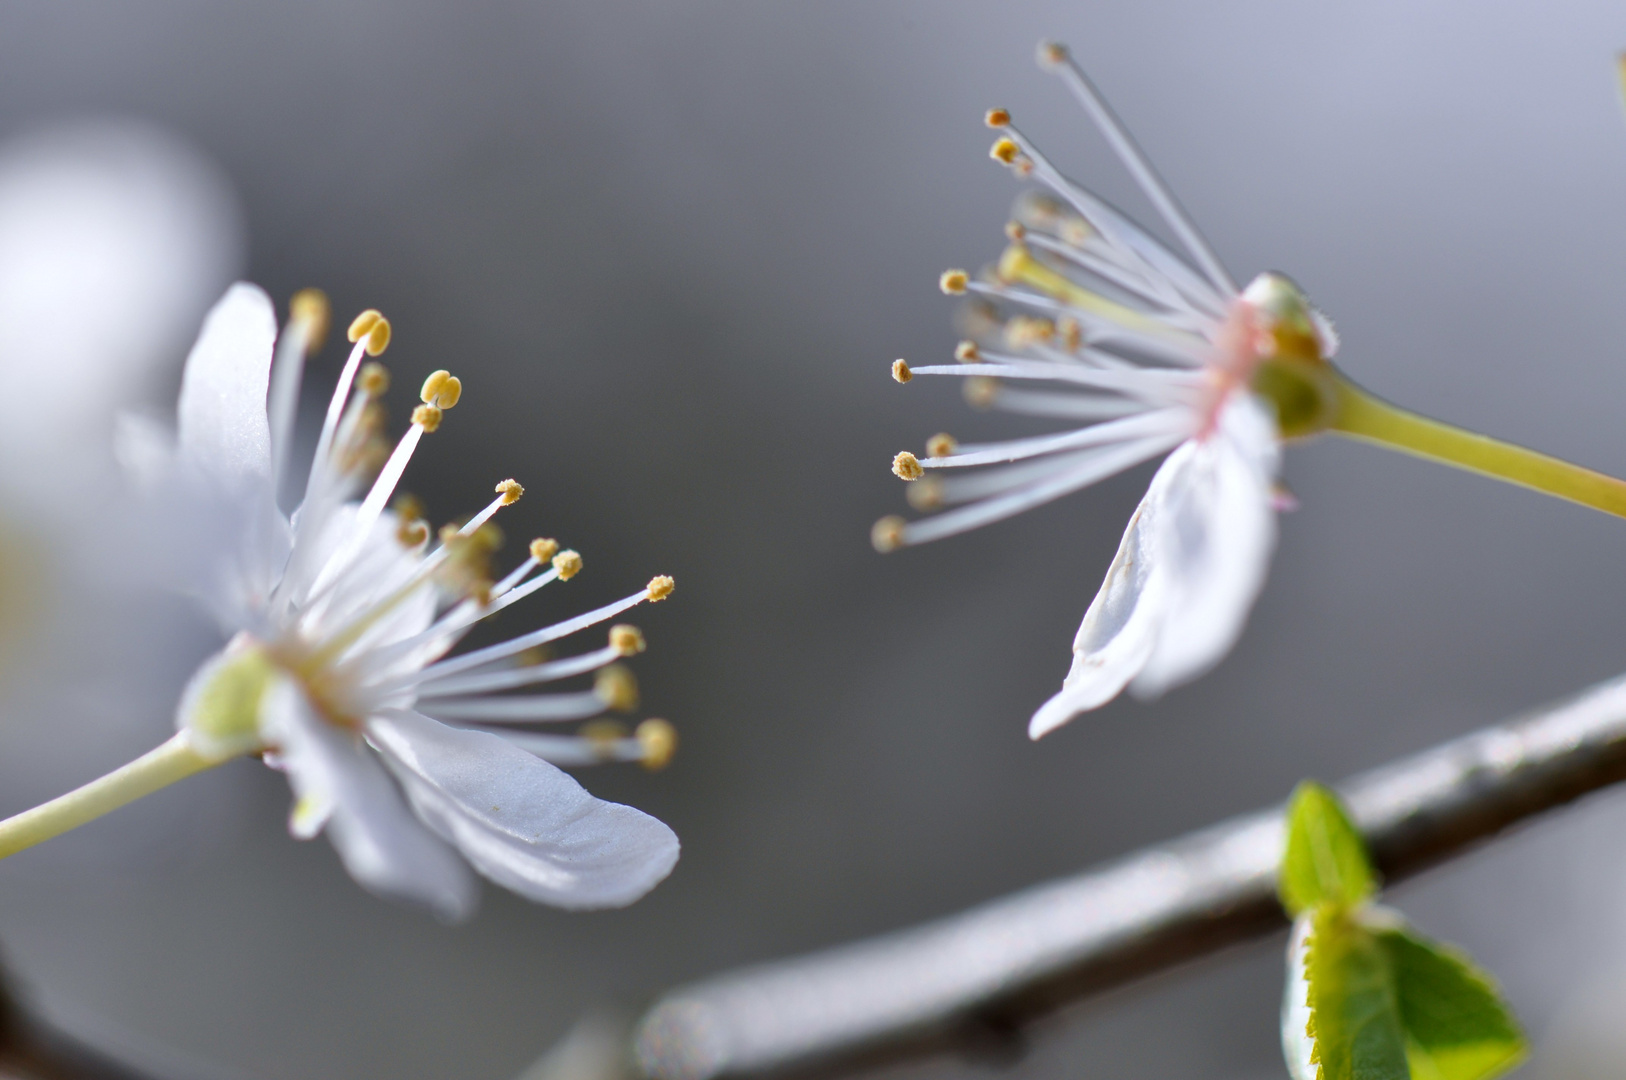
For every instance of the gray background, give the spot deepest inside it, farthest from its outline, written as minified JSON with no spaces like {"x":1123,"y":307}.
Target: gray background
{"x":672,"y":248}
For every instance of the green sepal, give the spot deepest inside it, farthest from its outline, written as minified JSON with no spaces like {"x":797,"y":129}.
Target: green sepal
{"x":1324,"y":859}
{"x":1457,"y":1025}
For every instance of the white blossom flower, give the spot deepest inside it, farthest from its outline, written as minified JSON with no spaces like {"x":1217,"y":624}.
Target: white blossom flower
{"x":1148,"y":354}
{"x":341,"y":617}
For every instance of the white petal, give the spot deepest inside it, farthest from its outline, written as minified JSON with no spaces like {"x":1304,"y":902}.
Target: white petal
{"x":1216,"y":533}
{"x":339,"y":782}
{"x":1120,"y":628}
{"x":223,"y":426}
{"x":1297,"y":1046}
{"x":519,"y":820}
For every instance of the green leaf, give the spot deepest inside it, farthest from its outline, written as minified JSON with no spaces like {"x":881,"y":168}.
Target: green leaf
{"x":1324,"y":861}
{"x":1353,"y":1020}
{"x":1457,"y":1026}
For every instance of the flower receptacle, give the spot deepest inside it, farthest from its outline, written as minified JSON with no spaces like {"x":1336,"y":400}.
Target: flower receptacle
{"x":220,"y":708}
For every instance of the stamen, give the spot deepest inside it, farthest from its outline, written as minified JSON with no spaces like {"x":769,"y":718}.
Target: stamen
{"x":1005,"y":150}
{"x":1055,"y":57}
{"x":658,"y":740}
{"x":888,"y":533}
{"x":1117,"y":459}
{"x":906,"y":466}
{"x":900,"y":371}
{"x":426,"y":418}
{"x":626,"y":640}
{"x":941,"y":445}
{"x":525,"y":674}
{"x":997,"y":118}
{"x":307,"y":326}
{"x":412,"y":533}
{"x":526,"y":709}
{"x":1174,"y":423}
{"x":617,"y":688}
{"x":980,"y":391}
{"x":510,"y":490}
{"x":953,"y":282}
{"x":441,"y":389}
{"x":568,"y":564}
{"x":569,"y":750}
{"x":926,"y":495}
{"x":362,"y":324}
{"x":966,"y":352}
{"x":544,"y":549}
{"x":374,"y":379}
{"x":659,"y":588}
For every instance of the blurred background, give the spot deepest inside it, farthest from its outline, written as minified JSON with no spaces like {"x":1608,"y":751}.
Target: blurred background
{"x":672,"y":249}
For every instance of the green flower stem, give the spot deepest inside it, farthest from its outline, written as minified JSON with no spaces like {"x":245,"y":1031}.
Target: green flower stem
{"x":174,"y":760}
{"x":1361,"y":415}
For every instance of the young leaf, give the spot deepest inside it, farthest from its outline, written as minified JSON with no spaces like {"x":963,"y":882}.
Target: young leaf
{"x":1341,"y":1018}
{"x":1324,"y":861}
{"x":1457,"y":1026}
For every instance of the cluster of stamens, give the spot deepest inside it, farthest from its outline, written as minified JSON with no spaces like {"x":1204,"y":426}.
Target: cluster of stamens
{"x":330,"y":617}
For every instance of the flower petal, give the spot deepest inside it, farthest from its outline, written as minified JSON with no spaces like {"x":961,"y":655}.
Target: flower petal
{"x":1120,"y":629}
{"x":519,"y":820}
{"x":338,"y":782}
{"x":1217,"y":532}
{"x":223,"y":425}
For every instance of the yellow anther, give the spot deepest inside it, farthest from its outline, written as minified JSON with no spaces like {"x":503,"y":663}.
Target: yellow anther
{"x":568,"y":563}
{"x":1052,"y":53}
{"x":363,"y":324}
{"x":309,"y":307}
{"x":1015,"y":230}
{"x":966,"y":352}
{"x":510,"y":491}
{"x":997,"y":118}
{"x":451,"y":392}
{"x":941,"y":445}
{"x":1005,"y":150}
{"x":412,"y":533}
{"x":1023,"y":331}
{"x":907,"y":467}
{"x":887,"y":535}
{"x":926,"y":495}
{"x":954,"y":282}
{"x":378,"y":338}
{"x":658,"y":741}
{"x":603,"y":736}
{"x":374,"y":379}
{"x":626,"y":640}
{"x":901,"y":372}
{"x":432,"y":385}
{"x":660,"y":587}
{"x":427,"y":417}
{"x":543,"y":549}
{"x":980,"y":391}
{"x":616,"y":687}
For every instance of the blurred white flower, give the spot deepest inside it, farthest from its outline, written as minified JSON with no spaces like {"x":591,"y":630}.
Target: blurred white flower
{"x":1149,"y":355}
{"x":114,"y":238}
{"x":341,"y":616}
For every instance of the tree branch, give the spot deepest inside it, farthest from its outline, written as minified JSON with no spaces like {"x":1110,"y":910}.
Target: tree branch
{"x":988,"y":971}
